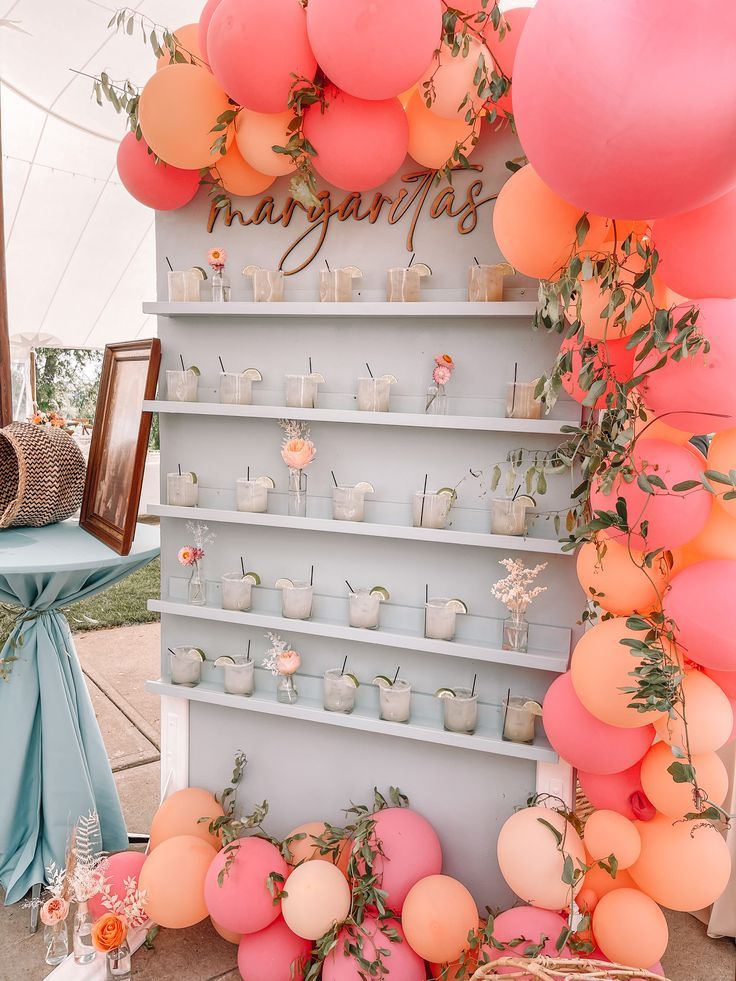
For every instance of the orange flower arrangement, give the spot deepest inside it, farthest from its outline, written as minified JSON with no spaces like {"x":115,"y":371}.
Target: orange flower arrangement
{"x":109,"y":932}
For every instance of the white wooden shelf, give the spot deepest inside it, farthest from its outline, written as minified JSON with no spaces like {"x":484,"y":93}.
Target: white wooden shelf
{"x":389,"y":634}
{"x":360,"y":308}
{"x":424,"y":726}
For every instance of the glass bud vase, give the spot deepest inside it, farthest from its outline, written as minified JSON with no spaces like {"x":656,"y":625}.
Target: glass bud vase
{"x":118,"y":963}
{"x":286,"y":691}
{"x":297,"y":493}
{"x":515,"y":634}
{"x":196,"y":589}
{"x":84,"y":952}
{"x":436,"y":401}
{"x":220,"y":286}
{"x":56,"y":943}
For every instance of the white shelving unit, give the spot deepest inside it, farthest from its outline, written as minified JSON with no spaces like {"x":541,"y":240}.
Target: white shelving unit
{"x":297,"y":309}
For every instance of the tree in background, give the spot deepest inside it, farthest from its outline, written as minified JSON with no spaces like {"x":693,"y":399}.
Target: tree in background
{"x":67,"y":380}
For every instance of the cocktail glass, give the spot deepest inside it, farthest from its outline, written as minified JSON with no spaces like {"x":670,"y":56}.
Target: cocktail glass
{"x":520,"y":715}
{"x":508,"y":517}
{"x":339,"y":692}
{"x":440,"y":618}
{"x":235,"y":388}
{"x":236,"y":591}
{"x":520,"y":401}
{"x":250,"y":495}
{"x":485,"y":283}
{"x":374,"y":394}
{"x":182,"y":490}
{"x":364,"y":608}
{"x":460,"y":714}
{"x":348,"y":503}
{"x":185,"y":665}
{"x":184,"y":285}
{"x":181,"y":386}
{"x":240,"y":678}
{"x":301,"y":391}
{"x":395,"y":701}
{"x":296,"y":601}
{"x":430,"y":510}
{"x":336,"y":285}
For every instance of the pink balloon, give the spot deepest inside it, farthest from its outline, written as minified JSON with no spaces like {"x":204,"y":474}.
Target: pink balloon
{"x":374,"y":49}
{"x":726,"y":680}
{"x":243,"y":904}
{"x":453,"y":80}
{"x":359,"y":144}
{"x":411,"y":851}
{"x":269,"y":954}
{"x":673,"y":518}
{"x":204,"y":25}
{"x":401,"y":963}
{"x":700,"y":601}
{"x":613,"y":353}
{"x":504,"y":51}
{"x":157,"y":185}
{"x":254,"y":51}
{"x":532,"y":925}
{"x":698,"y":391}
{"x":586,"y":742}
{"x":621,"y":150}
{"x":118,"y":868}
{"x":697,"y":250}
{"x":620,"y":792}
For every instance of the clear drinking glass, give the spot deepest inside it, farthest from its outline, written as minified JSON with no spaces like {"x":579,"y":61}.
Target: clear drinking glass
{"x":460,"y":714}
{"x":364,"y":609}
{"x":181,"y":490}
{"x":440,"y":621}
{"x":335,"y":285}
{"x":240,"y":678}
{"x":181,"y":386}
{"x":431,"y":510}
{"x":374,"y":394}
{"x":339,"y":692}
{"x":268,"y":285}
{"x":118,"y":963}
{"x":301,"y":391}
{"x":395,"y":701}
{"x":235,"y":388}
{"x":235,"y":592}
{"x":403,"y":285}
{"x":186,"y":666}
{"x":296,"y":601}
{"x":348,"y":504}
{"x":485,"y":283}
{"x":250,"y":496}
{"x":520,"y":401}
{"x":184,"y":285}
{"x":519,"y":721}
{"x":508,"y":517}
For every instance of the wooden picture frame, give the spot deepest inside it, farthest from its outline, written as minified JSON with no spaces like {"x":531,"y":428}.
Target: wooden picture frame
{"x":119,"y":447}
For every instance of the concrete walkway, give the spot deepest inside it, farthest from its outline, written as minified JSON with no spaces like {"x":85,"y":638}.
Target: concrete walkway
{"x":116,"y":664}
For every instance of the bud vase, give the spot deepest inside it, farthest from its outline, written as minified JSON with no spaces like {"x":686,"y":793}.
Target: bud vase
{"x":84,"y":952}
{"x":286,"y":691}
{"x":118,"y":963}
{"x":297,"y":493}
{"x":220,"y":286}
{"x":56,"y":942}
{"x":196,"y":590}
{"x":516,"y":634}
{"x":436,"y":401}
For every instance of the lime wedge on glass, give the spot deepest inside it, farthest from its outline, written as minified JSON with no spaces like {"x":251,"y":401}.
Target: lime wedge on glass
{"x":382,"y":592}
{"x":351,"y":679}
{"x":457,"y":606}
{"x":422,"y":268}
{"x":194,"y":370}
{"x":284,"y":584}
{"x":448,"y":490}
{"x":533,"y":707}
{"x":365,"y":487}
{"x":253,"y":374}
{"x":391,"y":379}
{"x":354,"y":271}
{"x":267,"y":482}
{"x":251,"y":270}
{"x":526,"y":500}
{"x":196,"y":652}
{"x":382,"y":681}
{"x":317,"y":377}
{"x":445,"y":693}
{"x":200,"y":270}
{"x":224,"y":659}
{"x":193,"y":475}
{"x":253,"y":578}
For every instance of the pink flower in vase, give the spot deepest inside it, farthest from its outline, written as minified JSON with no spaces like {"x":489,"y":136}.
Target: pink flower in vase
{"x":217,"y":258}
{"x":197,"y":553}
{"x":186,"y":555}
{"x":288,"y":662}
{"x":298,"y":453}
{"x":441,"y":374}
{"x":54,"y":911}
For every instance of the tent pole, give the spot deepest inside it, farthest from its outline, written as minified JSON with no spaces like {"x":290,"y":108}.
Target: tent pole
{"x":6,"y":394}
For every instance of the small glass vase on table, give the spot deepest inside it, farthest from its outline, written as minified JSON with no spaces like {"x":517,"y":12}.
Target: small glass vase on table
{"x":217,"y":258}
{"x":436,"y":404}
{"x":515,"y":595}
{"x":110,"y":937}
{"x":53,"y":916}
{"x":84,"y":951}
{"x":297,"y":452}
{"x":283,"y":662}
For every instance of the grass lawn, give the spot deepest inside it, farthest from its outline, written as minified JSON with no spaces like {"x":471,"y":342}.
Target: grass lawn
{"x":120,"y":605}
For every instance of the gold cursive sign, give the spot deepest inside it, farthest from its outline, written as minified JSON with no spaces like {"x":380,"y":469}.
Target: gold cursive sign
{"x":411,"y":202}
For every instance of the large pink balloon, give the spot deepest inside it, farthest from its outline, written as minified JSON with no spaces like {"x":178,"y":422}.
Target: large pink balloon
{"x":504,"y":51}
{"x":254,"y":51}
{"x":401,"y":962}
{"x":157,"y":185}
{"x":623,"y":150}
{"x":410,"y":850}
{"x":118,"y":868}
{"x":673,"y":518}
{"x":359,"y":144}
{"x":697,"y":250}
{"x":620,"y":792}
{"x":273,"y":954}
{"x":243,"y":903}
{"x":700,"y":601}
{"x":374,"y":49}
{"x":586,"y":742}
{"x":533,"y":926}
{"x":204,"y":25}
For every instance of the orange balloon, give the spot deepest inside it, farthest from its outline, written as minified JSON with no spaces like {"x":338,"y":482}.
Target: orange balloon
{"x":653,"y":428}
{"x":600,"y":882}
{"x":630,"y":928}
{"x":256,"y":133}
{"x":594,"y":302}
{"x":722,"y":457}
{"x":318,"y":897}
{"x":405,"y":97}
{"x":232,"y":938}
{"x":187,"y":41}
{"x":173,"y":878}
{"x":709,"y":716}
{"x":717,"y":540}
{"x":621,"y":586}
{"x":610,"y":833}
{"x":432,"y":139}
{"x":601,"y":666}
{"x":306,"y":850}
{"x":238,"y":177}
{"x":452,"y":79}
{"x":586,"y":900}
{"x":437,"y":916}
{"x":178,"y":107}
{"x":464,"y":967}
{"x":179,"y":814}
{"x":684,"y":866}
{"x":676,"y":799}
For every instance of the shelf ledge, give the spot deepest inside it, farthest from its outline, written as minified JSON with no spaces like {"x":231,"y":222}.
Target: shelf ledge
{"x":360,"y":308}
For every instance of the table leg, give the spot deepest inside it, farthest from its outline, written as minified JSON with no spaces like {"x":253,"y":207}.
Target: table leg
{"x":35,"y":899}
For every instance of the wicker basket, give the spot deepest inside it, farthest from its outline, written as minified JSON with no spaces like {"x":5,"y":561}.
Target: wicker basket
{"x":554,"y":969}
{"x":41,"y":475}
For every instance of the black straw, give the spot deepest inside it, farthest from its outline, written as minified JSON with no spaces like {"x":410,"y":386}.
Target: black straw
{"x":513,"y":390}
{"x":247,"y":475}
{"x":242,"y":566}
{"x":221,"y":364}
{"x":426,"y":592}
{"x":424,"y":497}
{"x":369,"y":369}
{"x":172,"y":652}
{"x":396,"y":676}
{"x":168,"y":263}
{"x":349,"y":586}
{"x":311,"y":577}
{"x":310,"y":366}
{"x":476,"y":261}
{"x":182,"y":363}
{"x":518,"y":488}
{"x":179,"y":466}
{"x":247,"y":656}
{"x":345,"y":661}
{"x":328,"y":265}
{"x":506,"y":711}
{"x":413,"y":256}
{"x":334,"y":477}
{"x":472,"y":690}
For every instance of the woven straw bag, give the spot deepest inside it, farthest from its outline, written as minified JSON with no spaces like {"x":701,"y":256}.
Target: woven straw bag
{"x":41,"y":475}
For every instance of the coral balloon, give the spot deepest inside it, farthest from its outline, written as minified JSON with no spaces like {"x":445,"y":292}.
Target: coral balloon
{"x":609,"y":833}
{"x":307,"y":849}
{"x":533,"y":926}
{"x":630,"y":928}
{"x":180,"y":814}
{"x":600,"y":882}
{"x":374,"y":49}
{"x":243,"y":904}
{"x":318,"y":897}
{"x":177,"y":110}
{"x":583,"y":740}
{"x":238,"y":177}
{"x":621,"y":153}
{"x":598,"y":324}
{"x":717,"y":540}
{"x":611,"y":354}
{"x":273,"y":954}
{"x":204,"y":25}
{"x":118,"y":868}
{"x":186,"y":40}
{"x":232,"y":938}
{"x":601,"y":666}
{"x":464,"y":966}
{"x":682,"y":866}
{"x":454,"y":91}
{"x":359,"y":144}
{"x":531,"y":861}
{"x":400,"y":962}
{"x":672,"y":517}
{"x":726,"y":680}
{"x":255,"y":51}
{"x":439,"y":913}
{"x":700,"y":603}
{"x":708,"y":232}
{"x":155,"y":185}
{"x":697,"y":392}
{"x":534,"y":227}
{"x":256,"y":133}
{"x":676,"y":799}
{"x":621,"y":792}
{"x":173,"y":878}
{"x":504,"y":50}
{"x":620,"y":584}
{"x":722,"y":457}
{"x":432,"y":139}
{"x":410,"y":850}
{"x":709,"y":717}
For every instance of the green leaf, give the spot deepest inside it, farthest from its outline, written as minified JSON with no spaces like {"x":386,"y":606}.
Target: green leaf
{"x":681,"y":772}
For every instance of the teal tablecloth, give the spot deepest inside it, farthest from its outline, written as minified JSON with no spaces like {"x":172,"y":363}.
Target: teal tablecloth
{"x":53,"y":764}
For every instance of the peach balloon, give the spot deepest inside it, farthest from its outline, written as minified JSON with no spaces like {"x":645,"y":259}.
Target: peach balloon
{"x":676,"y":799}
{"x":173,"y":878}
{"x":586,"y":900}
{"x":455,"y":93}
{"x":609,"y":833}
{"x":187,"y":41}
{"x":467,"y":962}
{"x":630,"y":928}
{"x":229,"y":935}
{"x":709,"y":716}
{"x":620,"y":585}
{"x":432,"y":139}
{"x":595,"y":300}
{"x":600,"y":882}
{"x":722,"y":457}
{"x":177,"y":110}
{"x":237,"y":175}
{"x":530,"y":860}
{"x":683,"y":865}
{"x":726,"y":680}
{"x":438,"y":915}
{"x":179,"y":814}
{"x":257,"y":132}
{"x":717,"y":540}
{"x":318,"y":897}
{"x":307,"y":849}
{"x":601,"y":666}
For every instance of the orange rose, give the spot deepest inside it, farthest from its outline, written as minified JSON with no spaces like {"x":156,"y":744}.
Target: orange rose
{"x":298,"y":453}
{"x":109,"y":932}
{"x":54,"y":911}
{"x":288,"y":662}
